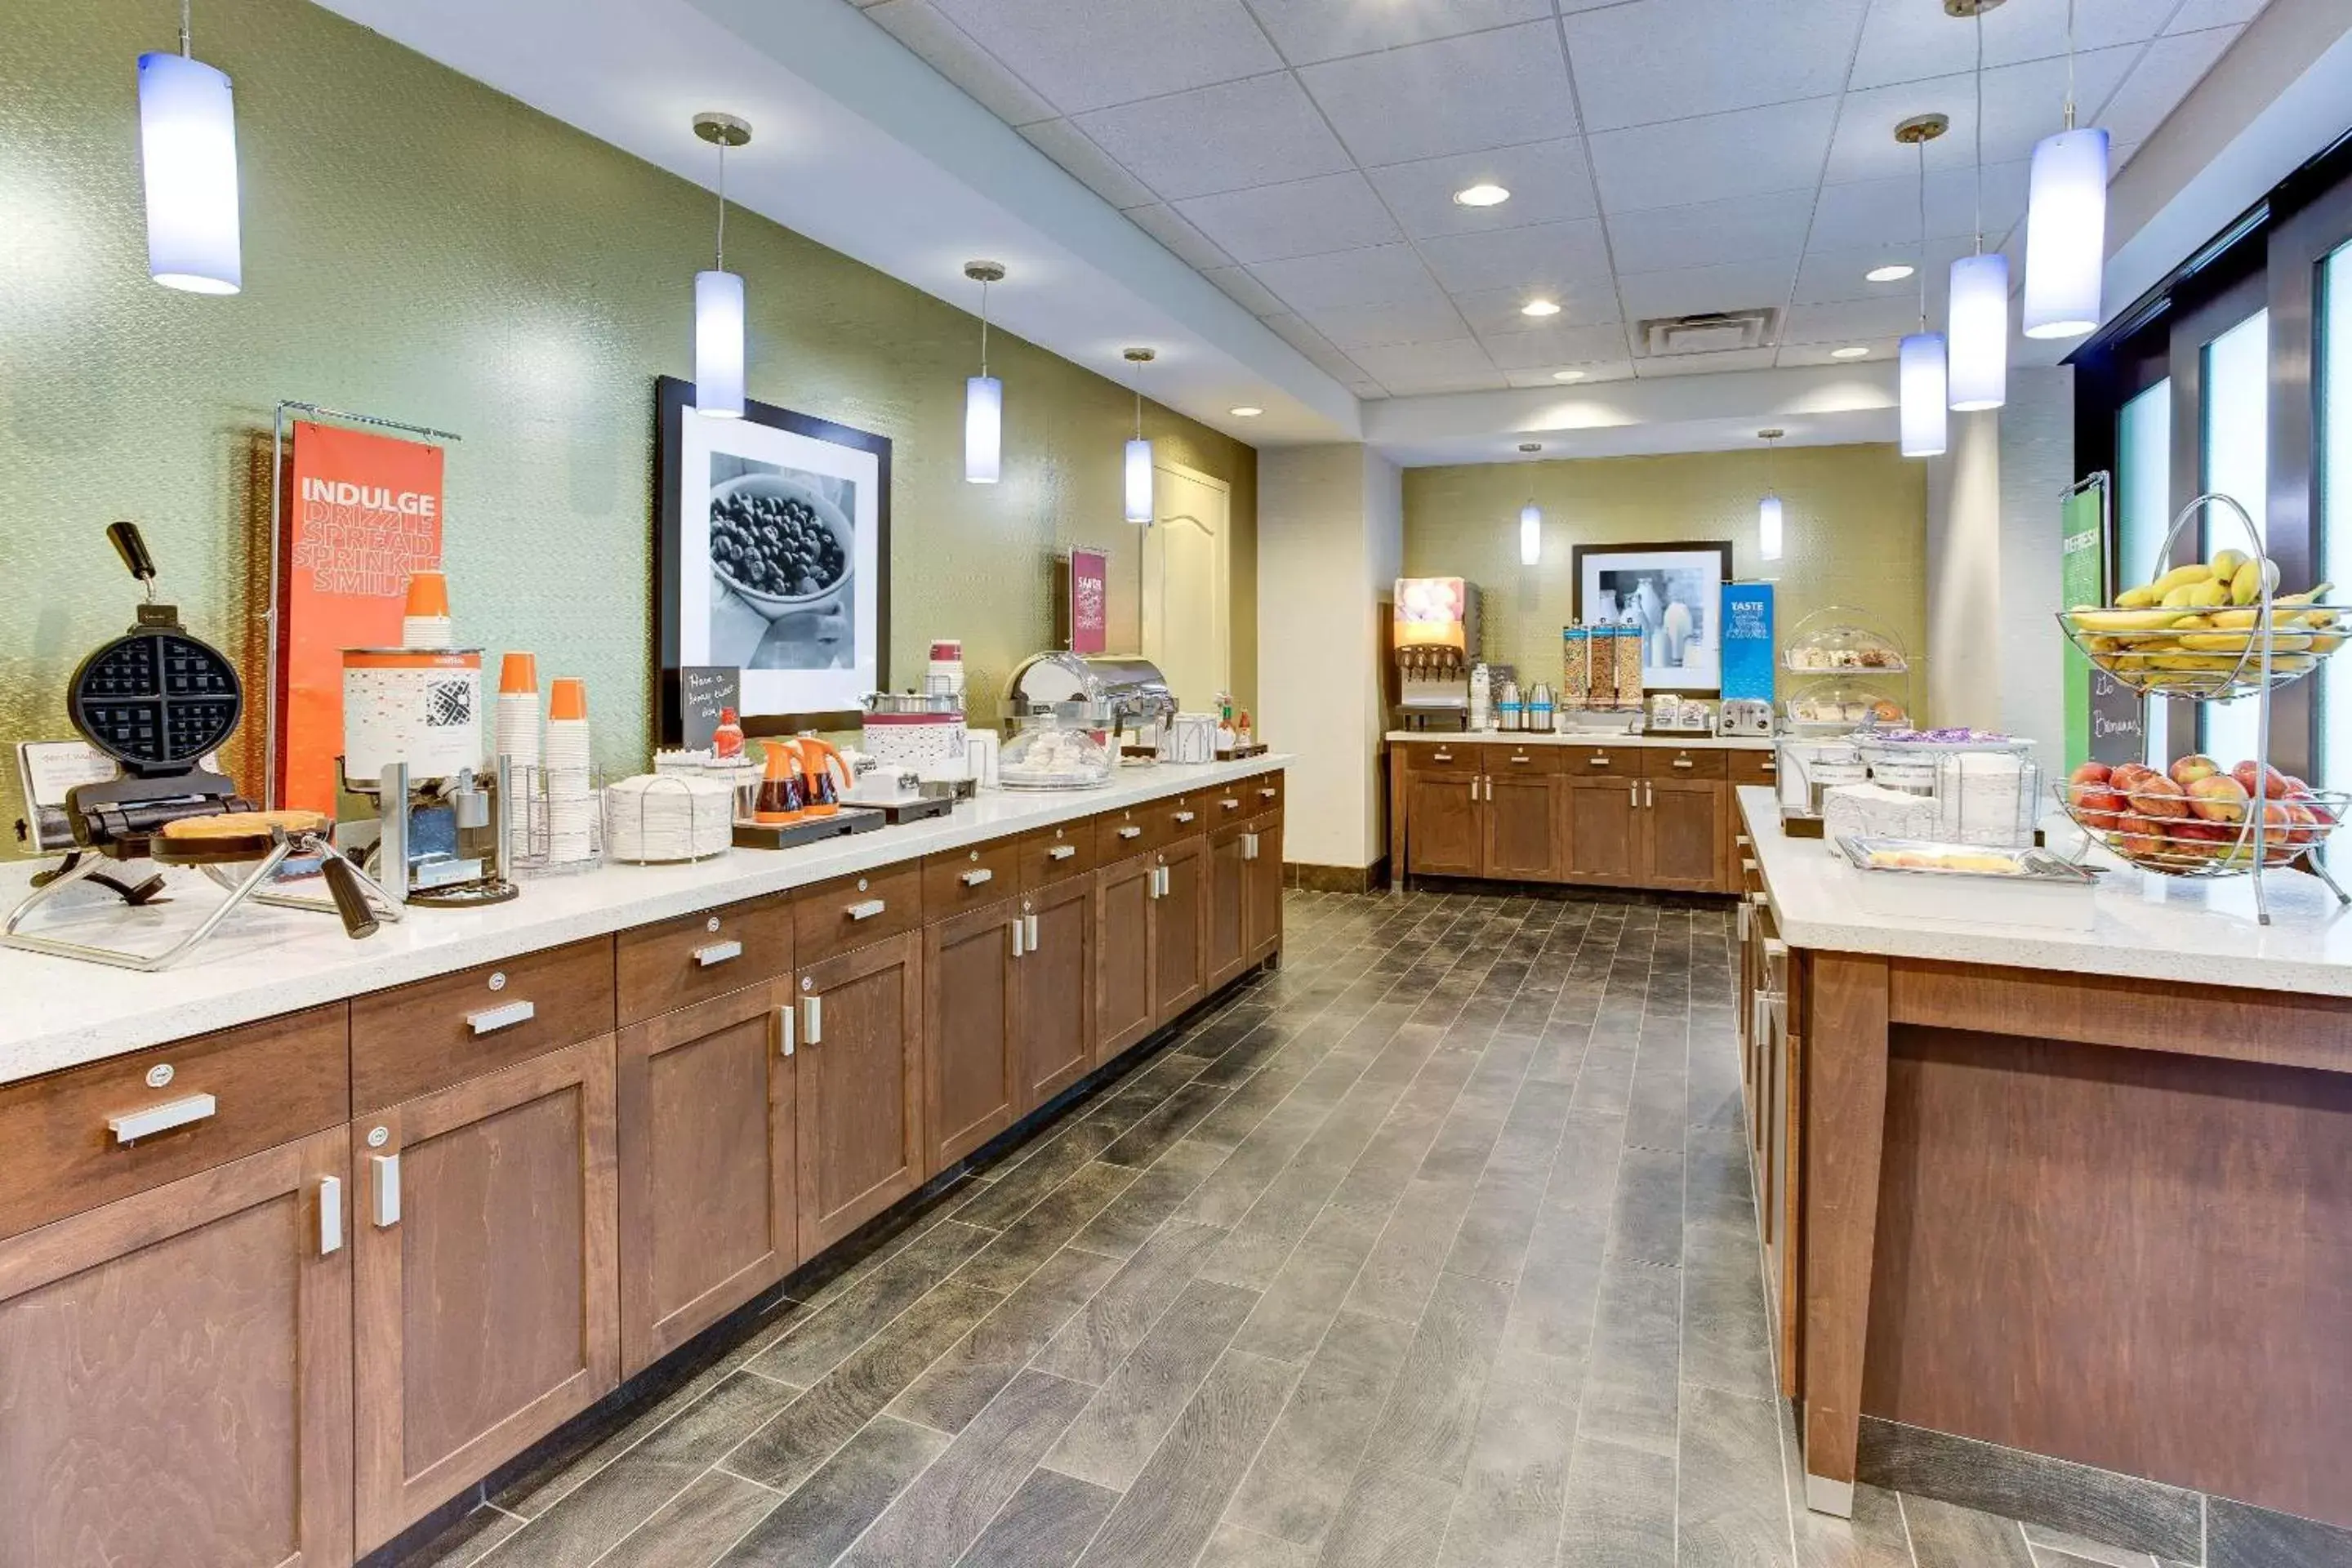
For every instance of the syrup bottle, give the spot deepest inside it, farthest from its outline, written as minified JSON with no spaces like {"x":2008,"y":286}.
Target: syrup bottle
{"x":726,"y":740}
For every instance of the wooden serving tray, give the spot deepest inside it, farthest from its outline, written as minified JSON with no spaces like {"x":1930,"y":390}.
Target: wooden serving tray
{"x":807,"y":830}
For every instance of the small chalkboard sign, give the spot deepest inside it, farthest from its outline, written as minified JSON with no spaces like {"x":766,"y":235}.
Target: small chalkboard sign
{"x":702,"y":690}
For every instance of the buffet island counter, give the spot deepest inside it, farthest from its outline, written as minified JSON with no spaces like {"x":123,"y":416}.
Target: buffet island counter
{"x":307,"y":1238}
{"x":2057,"y":1208}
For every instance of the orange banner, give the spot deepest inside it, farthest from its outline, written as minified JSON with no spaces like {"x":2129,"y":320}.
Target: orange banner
{"x":363,"y":513}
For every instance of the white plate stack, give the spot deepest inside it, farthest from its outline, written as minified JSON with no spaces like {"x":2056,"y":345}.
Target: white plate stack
{"x":571,"y":793}
{"x":669,"y":817}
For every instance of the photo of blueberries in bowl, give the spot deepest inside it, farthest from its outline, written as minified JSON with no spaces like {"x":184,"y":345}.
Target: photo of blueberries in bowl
{"x":777,"y":543}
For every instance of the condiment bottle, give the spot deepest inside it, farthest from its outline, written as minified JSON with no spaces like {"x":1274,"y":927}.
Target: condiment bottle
{"x":1242,"y":733}
{"x":782,"y":797}
{"x":726,"y":740}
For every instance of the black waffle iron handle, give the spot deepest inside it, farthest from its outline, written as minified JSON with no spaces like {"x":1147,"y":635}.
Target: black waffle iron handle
{"x":132,"y":547}
{"x":350,"y":899}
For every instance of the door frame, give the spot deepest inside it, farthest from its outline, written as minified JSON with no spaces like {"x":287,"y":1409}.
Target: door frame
{"x":1225,"y":563}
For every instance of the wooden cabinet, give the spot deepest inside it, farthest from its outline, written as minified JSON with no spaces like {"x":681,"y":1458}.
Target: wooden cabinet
{"x":1057,"y":1036}
{"x":696,"y":957}
{"x":1125,"y":892}
{"x":1264,"y":889}
{"x":1179,"y":937}
{"x":1226,"y":931}
{"x":175,"y":1373}
{"x":1603,"y":830}
{"x":485,"y":1288}
{"x":858,"y":1091}
{"x":707,"y":1171}
{"x":1445,"y":832}
{"x":414,"y":1039}
{"x":1522,"y":827}
{"x":972,"y":1030}
{"x":1685,"y":839}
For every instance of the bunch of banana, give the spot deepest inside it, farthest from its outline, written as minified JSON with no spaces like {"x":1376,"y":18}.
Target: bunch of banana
{"x":2232,"y":577}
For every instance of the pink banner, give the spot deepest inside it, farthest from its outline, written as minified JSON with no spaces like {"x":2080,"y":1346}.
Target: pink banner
{"x":1089,"y":601}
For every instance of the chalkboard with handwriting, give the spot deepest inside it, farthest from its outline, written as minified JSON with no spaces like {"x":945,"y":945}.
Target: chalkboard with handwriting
{"x":702,"y":690}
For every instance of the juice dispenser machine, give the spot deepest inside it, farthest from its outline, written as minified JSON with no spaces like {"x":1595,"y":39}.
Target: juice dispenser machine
{"x":1433,"y":642}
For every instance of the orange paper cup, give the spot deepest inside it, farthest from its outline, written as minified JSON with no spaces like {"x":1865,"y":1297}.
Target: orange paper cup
{"x":428,"y":595}
{"x":570,"y":699}
{"x":519,"y":674}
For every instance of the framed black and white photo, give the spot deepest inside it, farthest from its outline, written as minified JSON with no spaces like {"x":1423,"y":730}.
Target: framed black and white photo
{"x":1674,"y":593}
{"x":772,"y":554}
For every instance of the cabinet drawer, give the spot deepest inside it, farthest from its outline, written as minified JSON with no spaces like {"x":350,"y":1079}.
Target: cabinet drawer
{"x":1601,"y":762}
{"x":838,"y":916}
{"x":959,"y":879}
{"x":1129,"y":831}
{"x":414,"y":1039}
{"x":268,"y":1083}
{"x":1754,"y":767}
{"x":1685,"y":762}
{"x":1181,"y":817}
{"x":1265,"y":789}
{"x":1054,"y":855}
{"x":1503,"y":762}
{"x":1445,"y":756}
{"x":696,"y":957}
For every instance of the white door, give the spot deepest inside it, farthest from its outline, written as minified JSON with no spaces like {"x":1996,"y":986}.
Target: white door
{"x":1185,"y":607}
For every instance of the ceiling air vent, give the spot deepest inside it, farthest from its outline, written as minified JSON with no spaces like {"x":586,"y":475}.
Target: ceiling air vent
{"x":1711,"y":331}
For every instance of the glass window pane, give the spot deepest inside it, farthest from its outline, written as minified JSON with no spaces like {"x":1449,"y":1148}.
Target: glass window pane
{"x":2236,"y":461}
{"x":2144,"y":508}
{"x":2334,"y":459}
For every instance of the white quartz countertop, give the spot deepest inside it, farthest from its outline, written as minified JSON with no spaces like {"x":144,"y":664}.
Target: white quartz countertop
{"x":1698,"y":740}
{"x":2155,"y":928}
{"x":60,"y":1013}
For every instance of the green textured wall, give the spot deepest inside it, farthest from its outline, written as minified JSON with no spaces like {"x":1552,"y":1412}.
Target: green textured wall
{"x":419,"y":246}
{"x":1855,"y":534}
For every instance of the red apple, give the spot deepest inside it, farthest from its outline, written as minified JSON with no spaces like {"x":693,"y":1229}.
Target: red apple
{"x":2090,"y":774}
{"x":2137,"y":834}
{"x":2307,"y":830}
{"x":2294,"y":785}
{"x":2099,"y":808}
{"x":2259,"y":779}
{"x":2218,"y":797}
{"x":2192,"y":767}
{"x":2126,"y":772}
{"x":2158,"y":796}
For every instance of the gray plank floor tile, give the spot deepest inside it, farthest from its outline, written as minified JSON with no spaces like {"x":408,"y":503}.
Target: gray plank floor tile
{"x":1294,"y":1488}
{"x":1046,"y":1524}
{"x":1039,"y":1171}
{"x":1391,"y":1518}
{"x":1231,"y":1546}
{"x":1508,"y":1511}
{"x":1620,"y":1507}
{"x":820,"y":1519}
{"x":825,"y":1338}
{"x":1403,"y":1267}
{"x":1169,"y":1514}
{"x":1731,"y":1507}
{"x":1634,"y":1366}
{"x":977,"y":1367}
{"x":694,"y":1529}
{"x":1019,"y":1249}
{"x":1124,"y":1422}
{"x":1433,"y":1410}
{"x":1290,"y":1318}
{"x":945,"y":1510}
{"x":467,"y":1541}
{"x":1944,"y":1535}
{"x":1105,"y":1331}
{"x":1127,"y":1221}
{"x":1727,"y":1337}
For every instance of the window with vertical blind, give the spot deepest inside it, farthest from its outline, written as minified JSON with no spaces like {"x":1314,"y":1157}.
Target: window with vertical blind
{"x":2144,"y":504}
{"x":2234,"y":459}
{"x":2333,"y":748}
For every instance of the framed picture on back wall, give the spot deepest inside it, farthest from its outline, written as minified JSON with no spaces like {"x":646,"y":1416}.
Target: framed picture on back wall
{"x":772,"y":554}
{"x":1674,"y":593}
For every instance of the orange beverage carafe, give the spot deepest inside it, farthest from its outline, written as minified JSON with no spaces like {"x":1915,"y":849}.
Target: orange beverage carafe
{"x":828,"y":775}
{"x":783,"y":794}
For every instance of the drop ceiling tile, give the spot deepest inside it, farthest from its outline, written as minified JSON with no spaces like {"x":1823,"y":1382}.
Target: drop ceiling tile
{"x":1548,"y":181}
{"x":1740,"y":287}
{"x":1245,"y":290}
{"x":1671,"y":59}
{"x":1096,"y":169}
{"x":2023,"y":103}
{"x":1459,"y":95}
{"x":1410,"y":385}
{"x":1309,"y":30}
{"x":1851,"y":321}
{"x":2197,"y":15}
{"x":1320,"y":351}
{"x":1168,"y":226}
{"x":1551,"y":348}
{"x":1378,"y":275}
{"x":1906,"y":40}
{"x":1258,"y":132}
{"x":1356,"y":328}
{"x":920,"y":25}
{"x":1620,"y":369}
{"x":1711,"y":234}
{"x":1715,"y":157}
{"x":1090,"y":54}
{"x":1499,"y":310}
{"x":1829,"y":277}
{"x":1333,"y":211}
{"x":1570,"y":259}
{"x":1883,"y":350}
{"x":2164,"y":76}
{"x":1869,"y":214}
{"x":1704,"y":364}
{"x":1394,"y":365}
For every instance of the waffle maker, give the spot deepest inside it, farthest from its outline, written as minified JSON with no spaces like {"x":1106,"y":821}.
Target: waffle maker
{"x":157,"y":699}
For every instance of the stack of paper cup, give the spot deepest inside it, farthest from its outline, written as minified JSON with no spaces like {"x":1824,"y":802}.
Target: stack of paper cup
{"x":570,"y":800}
{"x":426,"y":621}
{"x":515,"y":731}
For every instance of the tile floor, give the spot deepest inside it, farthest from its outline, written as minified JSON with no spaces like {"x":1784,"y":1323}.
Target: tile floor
{"x":1434,"y":1249}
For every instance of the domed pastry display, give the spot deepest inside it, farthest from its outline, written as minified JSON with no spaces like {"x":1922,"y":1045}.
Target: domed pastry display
{"x":1836,"y":704}
{"x":1842,"y":647}
{"x":1052,"y":752}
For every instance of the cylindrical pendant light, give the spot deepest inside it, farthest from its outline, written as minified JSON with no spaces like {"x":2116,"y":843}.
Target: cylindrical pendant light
{"x":1976,"y":320}
{"x":187,"y":156}
{"x":1139,"y":450}
{"x":1925,"y":413}
{"x":983,"y":394}
{"x":1530,"y":517}
{"x":2066,"y":224}
{"x":718,"y":357}
{"x":1769,"y":520}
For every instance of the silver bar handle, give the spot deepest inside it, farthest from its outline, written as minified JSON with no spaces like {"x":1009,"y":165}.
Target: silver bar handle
{"x":975,"y":877}
{"x":1474,"y":791}
{"x":1649,"y":793}
{"x":1633,"y":795}
{"x":1743,"y":908}
{"x":1770,"y":765}
{"x":490,"y":1020}
{"x":1186,"y":816}
{"x":145,"y":1122}
{"x":865,"y":909}
{"x":718,"y":952}
{"x":1523,"y":759}
{"x":1441,"y":756}
{"x":812,"y":1019}
{"x":385,"y":1170}
{"x":1031,"y":922}
{"x":1130,"y":831}
{"x":1268,"y":793}
{"x":1020,"y":934}
{"x":1684,"y":763}
{"x":1249,"y":845}
{"x":331,"y":1216}
{"x":1598,"y":759}
{"x":784,"y":1030}
{"x":1061,"y":851}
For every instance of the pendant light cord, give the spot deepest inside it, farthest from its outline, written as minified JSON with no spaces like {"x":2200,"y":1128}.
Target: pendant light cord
{"x":1139,"y":400}
{"x":983,"y":327}
{"x":183,"y":29}
{"x":1980,"y":131}
{"x":722,"y":205}
{"x":2070,"y":65}
{"x":1922,"y":145}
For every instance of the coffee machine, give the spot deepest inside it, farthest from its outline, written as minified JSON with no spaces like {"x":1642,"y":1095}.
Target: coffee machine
{"x":1433,"y":642}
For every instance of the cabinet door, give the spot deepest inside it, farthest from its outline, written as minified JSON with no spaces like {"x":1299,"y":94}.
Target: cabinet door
{"x":859,"y":1090}
{"x":1265,"y":891}
{"x":1602,"y":831}
{"x":1058,"y":990}
{"x":971,"y":1031}
{"x":1123,"y":906}
{"x":485,"y":1291}
{"x":1522,"y":828}
{"x":1180,"y":929}
{"x":1442,"y":824}
{"x":707,"y":1171}
{"x":175,"y":1373}
{"x":1683,"y":834}
{"x":1227,"y":929}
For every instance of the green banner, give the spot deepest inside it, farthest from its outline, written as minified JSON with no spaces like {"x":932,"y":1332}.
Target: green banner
{"x":2083,"y":575}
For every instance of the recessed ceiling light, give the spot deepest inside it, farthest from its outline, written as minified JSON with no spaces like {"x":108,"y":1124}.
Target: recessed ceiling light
{"x":1245,"y":412}
{"x":1567,"y":375}
{"x":1482,"y":194}
{"x":1540,"y":308}
{"x":1852,"y":351}
{"x":1893,"y":273}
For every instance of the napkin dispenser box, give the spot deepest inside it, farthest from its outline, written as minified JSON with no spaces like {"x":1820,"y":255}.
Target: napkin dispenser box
{"x":884,"y":785}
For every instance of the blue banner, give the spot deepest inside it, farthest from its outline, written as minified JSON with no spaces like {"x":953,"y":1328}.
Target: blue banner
{"x":1747,"y":660}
